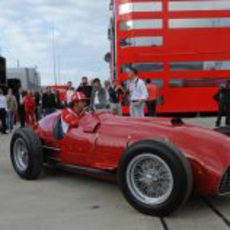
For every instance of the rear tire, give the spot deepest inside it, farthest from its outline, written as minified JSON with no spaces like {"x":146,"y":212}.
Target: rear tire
{"x":155,"y":177}
{"x":26,"y":154}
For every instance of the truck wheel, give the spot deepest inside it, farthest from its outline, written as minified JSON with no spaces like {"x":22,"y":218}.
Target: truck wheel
{"x":155,"y":177}
{"x":26,"y":154}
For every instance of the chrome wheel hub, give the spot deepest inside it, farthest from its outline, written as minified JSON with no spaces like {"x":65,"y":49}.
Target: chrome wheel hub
{"x":149,"y":179}
{"x":21,"y":156}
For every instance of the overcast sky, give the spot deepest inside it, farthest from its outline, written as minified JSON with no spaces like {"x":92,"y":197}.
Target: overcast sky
{"x":80,"y":33}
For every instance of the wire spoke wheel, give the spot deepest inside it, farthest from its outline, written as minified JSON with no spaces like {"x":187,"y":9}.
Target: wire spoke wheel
{"x":150,"y":179}
{"x":21,"y":155}
{"x":155,"y":177}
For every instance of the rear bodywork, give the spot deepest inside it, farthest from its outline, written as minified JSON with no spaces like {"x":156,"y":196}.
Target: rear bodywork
{"x":101,"y":138}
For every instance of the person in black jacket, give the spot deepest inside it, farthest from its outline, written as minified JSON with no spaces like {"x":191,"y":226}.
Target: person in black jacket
{"x":227,"y":110}
{"x":59,"y":104}
{"x":48,"y":102}
{"x":86,"y":89}
{"x":37,"y":97}
{"x":3,"y":110}
{"x":115,"y":92}
{"x":223,"y":99}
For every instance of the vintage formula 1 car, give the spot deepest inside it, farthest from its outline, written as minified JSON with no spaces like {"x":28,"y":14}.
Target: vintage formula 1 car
{"x":158,"y":162}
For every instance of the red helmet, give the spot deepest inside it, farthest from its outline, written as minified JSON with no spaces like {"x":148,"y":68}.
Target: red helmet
{"x":77,"y":96}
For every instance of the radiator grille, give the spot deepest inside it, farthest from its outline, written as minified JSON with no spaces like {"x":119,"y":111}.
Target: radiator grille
{"x":225,"y":183}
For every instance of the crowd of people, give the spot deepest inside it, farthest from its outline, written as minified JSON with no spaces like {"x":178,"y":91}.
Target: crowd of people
{"x":111,"y":95}
{"x":28,"y":106}
{"x":21,"y":105}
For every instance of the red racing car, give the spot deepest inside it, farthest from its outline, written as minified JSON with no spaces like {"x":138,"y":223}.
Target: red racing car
{"x":158,"y":162}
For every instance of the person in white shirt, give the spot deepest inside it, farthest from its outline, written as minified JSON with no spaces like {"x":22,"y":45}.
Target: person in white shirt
{"x":69,"y":93}
{"x":3,"y":111}
{"x":138,"y":94}
{"x":107,"y":85}
{"x":20,"y":96}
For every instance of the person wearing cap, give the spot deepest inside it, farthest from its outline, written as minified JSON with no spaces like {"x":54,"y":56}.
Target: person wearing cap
{"x":71,"y":116}
{"x":3,"y":112}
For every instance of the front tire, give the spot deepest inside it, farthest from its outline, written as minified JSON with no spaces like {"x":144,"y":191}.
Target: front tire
{"x":155,"y":178}
{"x":26,"y":154}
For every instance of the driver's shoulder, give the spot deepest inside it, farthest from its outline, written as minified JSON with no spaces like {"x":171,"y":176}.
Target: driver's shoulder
{"x":68,"y":113}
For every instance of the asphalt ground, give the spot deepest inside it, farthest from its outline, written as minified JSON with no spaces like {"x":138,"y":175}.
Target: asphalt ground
{"x":62,"y":201}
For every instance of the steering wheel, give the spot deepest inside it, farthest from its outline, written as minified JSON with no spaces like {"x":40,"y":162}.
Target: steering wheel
{"x":90,"y":109}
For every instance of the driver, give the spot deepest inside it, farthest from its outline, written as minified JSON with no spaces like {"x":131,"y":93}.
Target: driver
{"x":71,"y":116}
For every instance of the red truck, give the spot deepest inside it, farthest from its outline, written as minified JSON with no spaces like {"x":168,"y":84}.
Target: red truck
{"x":182,"y":46}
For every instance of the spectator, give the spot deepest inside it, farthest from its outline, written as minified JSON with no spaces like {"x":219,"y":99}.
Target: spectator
{"x":59,"y":104}
{"x":115,"y":93}
{"x":223,"y":99}
{"x":107,"y":89}
{"x":86,"y":89}
{"x":37,"y":97}
{"x":138,"y":94}
{"x":152,"y":99}
{"x":69,"y":93}
{"x":30,"y":109}
{"x":72,"y":115}
{"x":3,"y":110}
{"x":48,"y":102}
{"x":45,"y":103}
{"x":12,"y":107}
{"x":20,"y":96}
{"x":228,"y":103}
{"x":125,"y":97}
{"x":98,"y":97}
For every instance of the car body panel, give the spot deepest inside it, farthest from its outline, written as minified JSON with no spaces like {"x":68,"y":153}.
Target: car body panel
{"x":101,"y":138}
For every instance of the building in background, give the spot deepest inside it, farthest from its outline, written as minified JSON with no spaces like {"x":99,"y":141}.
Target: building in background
{"x":27,"y":78}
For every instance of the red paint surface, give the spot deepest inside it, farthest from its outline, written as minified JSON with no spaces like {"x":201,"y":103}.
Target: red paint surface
{"x":101,"y":138}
